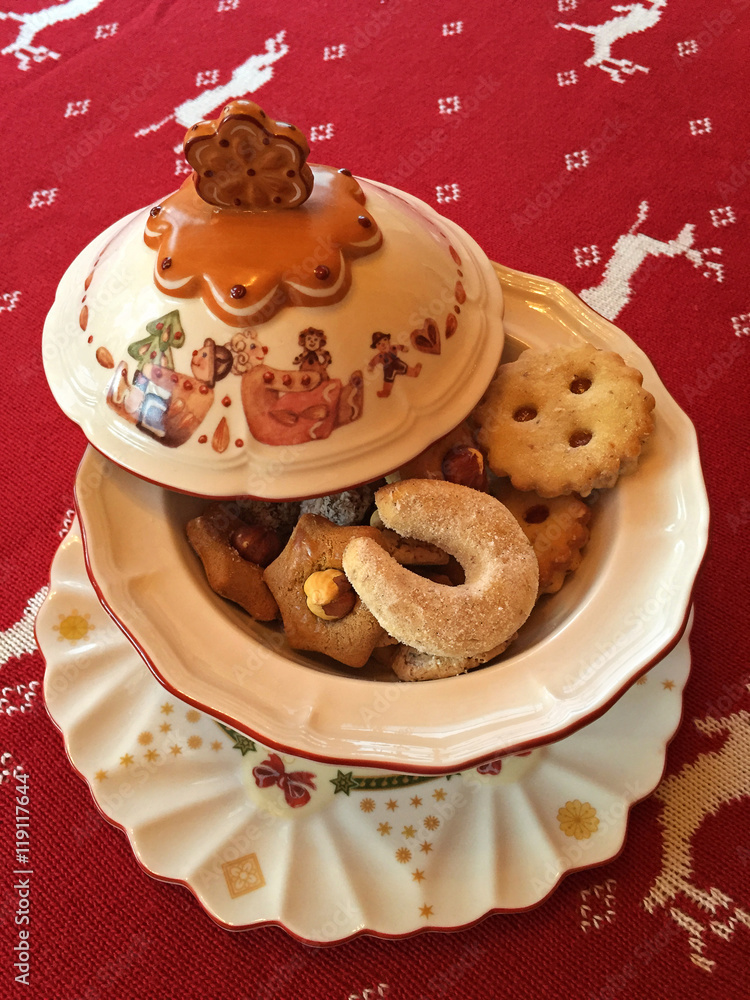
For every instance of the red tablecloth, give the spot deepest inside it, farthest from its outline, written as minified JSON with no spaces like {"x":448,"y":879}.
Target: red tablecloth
{"x":549,"y":131}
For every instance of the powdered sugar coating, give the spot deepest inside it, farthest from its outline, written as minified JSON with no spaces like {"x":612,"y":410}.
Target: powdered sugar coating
{"x":497,"y":558}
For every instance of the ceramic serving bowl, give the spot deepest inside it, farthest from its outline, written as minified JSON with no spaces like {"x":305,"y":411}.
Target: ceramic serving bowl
{"x":272,"y":329}
{"x":621,"y":612}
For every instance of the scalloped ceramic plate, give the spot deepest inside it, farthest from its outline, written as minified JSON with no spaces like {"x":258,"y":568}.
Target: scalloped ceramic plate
{"x":622,"y":610}
{"x":187,"y":793}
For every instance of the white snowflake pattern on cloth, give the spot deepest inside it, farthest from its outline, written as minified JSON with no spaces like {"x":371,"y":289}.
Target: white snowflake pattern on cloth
{"x":687,"y":48}
{"x":586,"y":256}
{"x":207,"y":78}
{"x":45,"y":196}
{"x":722,"y":216}
{"x":9,"y":301}
{"x":19,"y":638}
{"x":371,"y":993}
{"x":334,"y":52}
{"x":453,"y":28}
{"x":449,"y":105}
{"x":446,"y":193}
{"x":598,"y":905}
{"x":577,"y":160}
{"x":106,"y":30}
{"x":7,"y":775}
{"x":75,"y":108}
{"x":700,"y":126}
{"x":319,"y":132}
{"x":741,"y":325}
{"x":567,"y":77}
{"x":225,"y":5}
{"x":18,"y":698}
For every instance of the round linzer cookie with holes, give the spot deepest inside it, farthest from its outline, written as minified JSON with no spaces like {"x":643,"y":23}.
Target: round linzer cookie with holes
{"x":273,"y":329}
{"x":566,"y":420}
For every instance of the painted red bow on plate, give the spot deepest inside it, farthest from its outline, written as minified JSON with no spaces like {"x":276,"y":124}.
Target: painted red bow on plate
{"x":295,"y":785}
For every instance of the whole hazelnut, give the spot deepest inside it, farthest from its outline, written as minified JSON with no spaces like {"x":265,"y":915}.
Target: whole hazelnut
{"x":465,"y":466}
{"x":329,"y":594}
{"x":256,"y":544}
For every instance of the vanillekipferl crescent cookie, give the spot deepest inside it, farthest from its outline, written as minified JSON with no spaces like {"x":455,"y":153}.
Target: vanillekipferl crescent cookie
{"x":566,"y":420}
{"x":501,"y":572}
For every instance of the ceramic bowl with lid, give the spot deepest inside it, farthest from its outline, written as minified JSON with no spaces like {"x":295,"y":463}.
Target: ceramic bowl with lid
{"x":272,"y":329}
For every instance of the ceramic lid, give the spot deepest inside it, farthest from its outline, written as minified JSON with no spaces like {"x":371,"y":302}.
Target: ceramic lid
{"x":272,"y":328}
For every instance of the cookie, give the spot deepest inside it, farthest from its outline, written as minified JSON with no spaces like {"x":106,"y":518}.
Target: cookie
{"x":567,"y":420}
{"x":409,"y":664}
{"x":345,"y":508}
{"x":246,"y":160}
{"x":454,"y":457}
{"x":501,"y":574}
{"x":315,"y":550}
{"x":557,"y":528}
{"x":229,"y":574}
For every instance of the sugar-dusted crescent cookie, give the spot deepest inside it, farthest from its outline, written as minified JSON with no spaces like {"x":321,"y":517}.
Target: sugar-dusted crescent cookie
{"x":557,"y":528}
{"x":566,"y":420}
{"x":501,"y":574}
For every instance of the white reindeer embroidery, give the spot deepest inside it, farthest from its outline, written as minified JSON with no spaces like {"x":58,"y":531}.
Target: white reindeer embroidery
{"x":32,"y":24}
{"x":615,"y":289}
{"x":245,"y":79}
{"x":633,"y":17}
{"x":699,"y":790}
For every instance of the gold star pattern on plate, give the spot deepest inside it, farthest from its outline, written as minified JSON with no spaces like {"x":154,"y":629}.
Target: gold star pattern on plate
{"x":100,"y":775}
{"x":193,"y":716}
{"x":642,"y":680}
{"x":195,"y":742}
{"x":418,"y":875}
{"x":216,"y":745}
{"x":165,"y":727}
{"x":667,"y":685}
{"x":126,"y":760}
{"x":438,"y":795}
{"x":431,"y":822}
{"x":151,"y":755}
{"x":384,"y":829}
{"x":167,"y":708}
{"x":175,"y":749}
{"x":426,"y":911}
{"x":145,"y":738}
{"x":408,"y":831}
{"x":416,"y":801}
{"x":425,"y":846}
{"x":403,"y":854}
{"x":391,"y":804}
{"x":367,"y":805}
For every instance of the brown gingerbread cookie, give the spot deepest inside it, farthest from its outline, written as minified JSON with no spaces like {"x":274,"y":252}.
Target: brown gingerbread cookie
{"x":318,"y":607}
{"x":410,"y":664}
{"x":246,"y":160}
{"x":557,"y":528}
{"x":454,"y":457}
{"x":218,"y":536}
{"x":565,"y":420}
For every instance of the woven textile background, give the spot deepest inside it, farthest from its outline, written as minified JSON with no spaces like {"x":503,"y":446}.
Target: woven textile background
{"x":549,"y":130}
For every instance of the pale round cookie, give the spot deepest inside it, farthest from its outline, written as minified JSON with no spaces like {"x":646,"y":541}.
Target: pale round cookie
{"x":567,"y":420}
{"x":501,"y":574}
